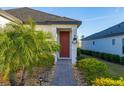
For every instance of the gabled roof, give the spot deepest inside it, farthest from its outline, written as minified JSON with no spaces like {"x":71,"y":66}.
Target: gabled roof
{"x":8,"y":16}
{"x":40,"y":17}
{"x":112,"y":31}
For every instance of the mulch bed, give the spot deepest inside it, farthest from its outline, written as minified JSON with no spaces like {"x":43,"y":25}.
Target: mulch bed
{"x":46,"y":74}
{"x":79,"y":77}
{"x":3,"y":82}
{"x":33,"y":79}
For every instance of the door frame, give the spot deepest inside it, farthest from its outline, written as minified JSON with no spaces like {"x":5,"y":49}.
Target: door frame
{"x":58,"y":39}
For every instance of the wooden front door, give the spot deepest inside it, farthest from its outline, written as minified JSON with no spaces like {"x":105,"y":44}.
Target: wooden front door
{"x":64,"y":43}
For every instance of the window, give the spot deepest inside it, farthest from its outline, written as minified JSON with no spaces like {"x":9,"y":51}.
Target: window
{"x":123,"y":46}
{"x":93,"y":42}
{"x":113,"y":41}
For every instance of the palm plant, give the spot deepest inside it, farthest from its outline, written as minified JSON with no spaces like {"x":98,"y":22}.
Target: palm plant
{"x":20,"y":48}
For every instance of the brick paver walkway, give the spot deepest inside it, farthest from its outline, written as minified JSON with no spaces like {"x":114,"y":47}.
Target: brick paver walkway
{"x":63,"y":74}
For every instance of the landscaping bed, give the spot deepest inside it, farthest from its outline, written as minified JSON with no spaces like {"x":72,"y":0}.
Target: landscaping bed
{"x":27,"y":55}
{"x":3,"y":82}
{"x":100,"y":72}
{"x":114,"y":69}
{"x":32,"y":79}
{"x":79,"y":77}
{"x":46,"y":74}
{"x":92,"y":69}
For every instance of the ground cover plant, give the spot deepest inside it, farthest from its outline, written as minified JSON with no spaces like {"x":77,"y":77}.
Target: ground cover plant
{"x":92,"y":69}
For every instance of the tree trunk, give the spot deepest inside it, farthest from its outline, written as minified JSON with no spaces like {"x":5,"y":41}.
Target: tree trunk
{"x":23,"y":77}
{"x":12,"y":79}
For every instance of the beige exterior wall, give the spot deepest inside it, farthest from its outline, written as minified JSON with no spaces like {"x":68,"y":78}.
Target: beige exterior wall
{"x":53,"y":30}
{"x":44,"y":27}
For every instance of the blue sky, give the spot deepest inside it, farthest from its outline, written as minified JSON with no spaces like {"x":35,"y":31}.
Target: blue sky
{"x":94,"y":19}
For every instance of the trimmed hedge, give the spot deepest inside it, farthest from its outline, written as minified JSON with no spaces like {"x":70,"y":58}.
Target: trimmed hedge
{"x":108,"y":82}
{"x":122,"y":60}
{"x":78,"y":52}
{"x":115,"y":58}
{"x":105,"y":56}
{"x":92,"y":69}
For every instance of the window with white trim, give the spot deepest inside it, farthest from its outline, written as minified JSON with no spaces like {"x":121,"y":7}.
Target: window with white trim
{"x":123,"y":46}
{"x":113,"y":41}
{"x":93,"y":42}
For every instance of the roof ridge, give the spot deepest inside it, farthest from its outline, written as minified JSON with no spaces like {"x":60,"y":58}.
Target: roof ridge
{"x":15,"y":8}
{"x":41,"y":17}
{"x":90,"y":36}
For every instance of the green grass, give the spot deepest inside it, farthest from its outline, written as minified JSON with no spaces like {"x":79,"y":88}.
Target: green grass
{"x":115,"y":69}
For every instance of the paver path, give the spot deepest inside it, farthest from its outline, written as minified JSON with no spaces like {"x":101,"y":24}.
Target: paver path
{"x":63,"y":74}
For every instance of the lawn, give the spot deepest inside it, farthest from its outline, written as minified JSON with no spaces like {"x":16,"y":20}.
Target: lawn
{"x":115,"y":69}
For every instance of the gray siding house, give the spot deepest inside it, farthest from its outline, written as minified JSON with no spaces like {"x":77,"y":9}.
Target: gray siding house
{"x":110,"y":40}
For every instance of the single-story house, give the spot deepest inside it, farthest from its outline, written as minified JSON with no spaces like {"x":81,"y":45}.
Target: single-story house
{"x":62,"y":28}
{"x":110,"y":40}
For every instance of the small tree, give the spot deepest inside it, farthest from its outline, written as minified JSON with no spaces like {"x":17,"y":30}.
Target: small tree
{"x":20,"y":47}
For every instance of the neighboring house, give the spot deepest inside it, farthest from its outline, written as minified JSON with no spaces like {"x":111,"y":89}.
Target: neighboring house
{"x":110,"y":40}
{"x":62,"y":28}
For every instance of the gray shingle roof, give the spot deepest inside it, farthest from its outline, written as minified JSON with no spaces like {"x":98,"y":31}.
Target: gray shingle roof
{"x":40,"y":17}
{"x":112,"y":31}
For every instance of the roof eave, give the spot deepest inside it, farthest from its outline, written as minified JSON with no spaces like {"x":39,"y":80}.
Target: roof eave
{"x":78,"y":23}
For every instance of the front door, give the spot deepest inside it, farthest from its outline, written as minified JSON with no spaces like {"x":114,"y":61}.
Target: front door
{"x":64,"y":43}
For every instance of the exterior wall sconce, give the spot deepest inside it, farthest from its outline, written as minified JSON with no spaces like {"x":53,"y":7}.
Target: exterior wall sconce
{"x":74,"y":40}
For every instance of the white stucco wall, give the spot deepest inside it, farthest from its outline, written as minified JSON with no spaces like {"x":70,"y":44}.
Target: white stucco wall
{"x":105,"y":45}
{"x":53,"y":30}
{"x":73,"y":47}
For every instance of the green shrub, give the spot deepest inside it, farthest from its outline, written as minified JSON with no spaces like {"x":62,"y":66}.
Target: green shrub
{"x":79,"y":57}
{"x":92,"y":69}
{"x":97,"y":54}
{"x":78,"y":51}
{"x":94,"y":53}
{"x":112,"y":58}
{"x":122,"y":60}
{"x":115,"y":58}
{"x":101,"y":55}
{"x":108,"y":82}
{"x":105,"y":56}
{"x":45,"y":60}
{"x":81,"y":51}
{"x":87,"y":52}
